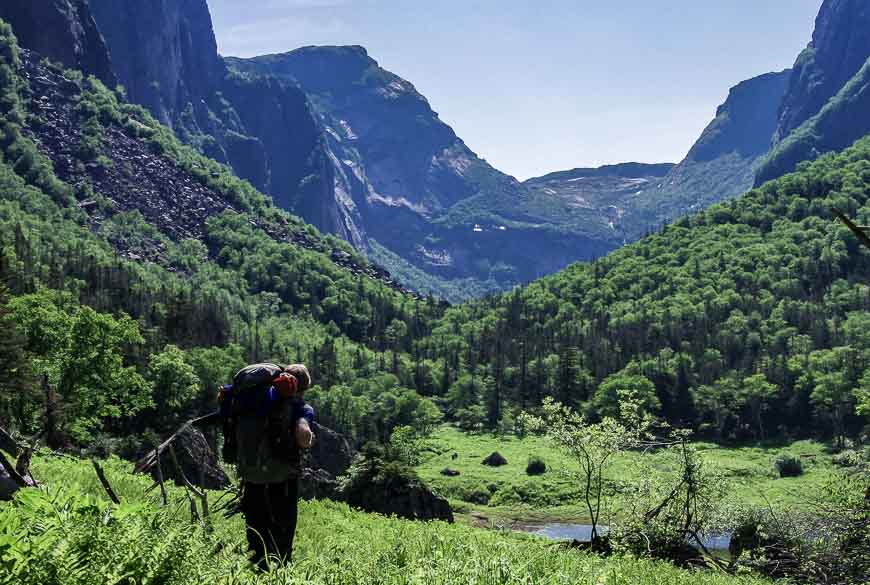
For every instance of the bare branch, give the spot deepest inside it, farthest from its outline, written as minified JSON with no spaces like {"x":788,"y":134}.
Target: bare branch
{"x":857,"y":230}
{"x":202,"y":495}
{"x":13,"y":473}
{"x":106,"y":485}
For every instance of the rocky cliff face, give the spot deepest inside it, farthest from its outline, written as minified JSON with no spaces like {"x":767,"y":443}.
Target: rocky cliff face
{"x":827,"y":106}
{"x":839,"y":49}
{"x":62,"y":30}
{"x":164,"y":53}
{"x":722,"y":163}
{"x":167,"y":59}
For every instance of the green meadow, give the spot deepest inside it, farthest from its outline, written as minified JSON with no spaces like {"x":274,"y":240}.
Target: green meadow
{"x":507,"y":493}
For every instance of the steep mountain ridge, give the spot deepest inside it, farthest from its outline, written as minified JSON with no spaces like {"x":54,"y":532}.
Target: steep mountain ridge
{"x":839,"y":48}
{"x":263,"y":129}
{"x":827,"y":106}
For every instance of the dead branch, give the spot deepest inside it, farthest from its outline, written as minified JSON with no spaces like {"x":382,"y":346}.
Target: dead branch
{"x":106,"y":485}
{"x":13,"y":473}
{"x":8,"y":444}
{"x":159,"y":470}
{"x":856,"y":229}
{"x":203,"y":497}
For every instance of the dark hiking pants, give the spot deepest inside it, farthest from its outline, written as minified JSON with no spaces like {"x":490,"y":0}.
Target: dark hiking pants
{"x":270,"y":514}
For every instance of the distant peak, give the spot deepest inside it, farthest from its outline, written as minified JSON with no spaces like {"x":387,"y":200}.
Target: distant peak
{"x":625,"y":170}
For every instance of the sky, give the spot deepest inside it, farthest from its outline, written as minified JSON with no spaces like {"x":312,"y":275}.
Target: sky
{"x":546,"y":85}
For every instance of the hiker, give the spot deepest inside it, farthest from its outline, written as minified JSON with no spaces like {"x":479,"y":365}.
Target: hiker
{"x":265,"y":432}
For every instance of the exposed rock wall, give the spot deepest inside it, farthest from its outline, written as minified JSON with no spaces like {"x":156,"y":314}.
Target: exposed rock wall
{"x":62,"y":30}
{"x":839,"y":49}
{"x":164,"y":52}
{"x":827,"y":106}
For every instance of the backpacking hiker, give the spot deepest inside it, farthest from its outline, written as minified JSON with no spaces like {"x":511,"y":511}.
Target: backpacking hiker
{"x":266,"y":428}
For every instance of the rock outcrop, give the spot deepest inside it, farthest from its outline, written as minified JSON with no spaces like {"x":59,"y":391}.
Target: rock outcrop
{"x":401,"y":496}
{"x":331,"y":452}
{"x":196,"y":459}
{"x":839,"y":49}
{"x":827,"y":106}
{"x":64,"y":31}
{"x":164,"y":53}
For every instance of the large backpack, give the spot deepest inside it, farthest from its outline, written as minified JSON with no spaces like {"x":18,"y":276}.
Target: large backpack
{"x":254,"y":393}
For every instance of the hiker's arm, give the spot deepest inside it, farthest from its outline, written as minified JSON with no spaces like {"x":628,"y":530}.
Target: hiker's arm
{"x":304,"y":436}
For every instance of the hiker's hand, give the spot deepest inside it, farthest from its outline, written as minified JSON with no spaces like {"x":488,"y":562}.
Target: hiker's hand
{"x":304,"y":436}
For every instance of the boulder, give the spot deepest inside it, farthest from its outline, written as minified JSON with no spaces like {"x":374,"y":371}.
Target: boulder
{"x":196,"y":459}
{"x":331,"y":451}
{"x":495,"y":459}
{"x":449,"y":472}
{"x":330,"y":456}
{"x":317,"y":484}
{"x":402,"y":496}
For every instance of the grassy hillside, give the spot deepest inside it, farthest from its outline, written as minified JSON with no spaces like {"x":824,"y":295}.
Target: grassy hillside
{"x":67,"y":532}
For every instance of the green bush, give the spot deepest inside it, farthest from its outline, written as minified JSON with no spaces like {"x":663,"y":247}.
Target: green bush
{"x":789,"y":466}
{"x":536,"y":466}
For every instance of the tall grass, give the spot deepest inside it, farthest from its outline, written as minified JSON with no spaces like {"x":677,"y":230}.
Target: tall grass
{"x":67,"y":533}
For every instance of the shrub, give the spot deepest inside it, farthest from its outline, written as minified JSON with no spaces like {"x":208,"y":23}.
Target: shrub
{"x":477,"y":495}
{"x":536,"y":466}
{"x":495,"y":459}
{"x":847,"y":458}
{"x":789,"y":466}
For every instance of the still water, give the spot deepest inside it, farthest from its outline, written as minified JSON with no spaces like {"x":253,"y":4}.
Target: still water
{"x":583,"y":532}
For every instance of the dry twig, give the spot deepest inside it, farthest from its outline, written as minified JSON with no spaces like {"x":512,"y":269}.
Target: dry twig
{"x":106,"y":485}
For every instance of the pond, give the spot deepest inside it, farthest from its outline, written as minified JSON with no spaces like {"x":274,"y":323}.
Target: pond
{"x":583,"y":533}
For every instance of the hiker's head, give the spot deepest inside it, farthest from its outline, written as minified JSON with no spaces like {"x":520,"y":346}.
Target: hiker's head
{"x":303,"y":378}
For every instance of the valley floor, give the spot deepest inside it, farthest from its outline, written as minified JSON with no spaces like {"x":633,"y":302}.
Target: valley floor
{"x":507,"y":496}
{"x":67,"y":532}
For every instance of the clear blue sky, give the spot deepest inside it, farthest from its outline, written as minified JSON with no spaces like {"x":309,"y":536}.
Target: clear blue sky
{"x":539,"y":86}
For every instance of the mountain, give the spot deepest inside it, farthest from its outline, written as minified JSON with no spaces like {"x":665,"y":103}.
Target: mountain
{"x":265,"y":130}
{"x":827,"y":105}
{"x":336,"y":139}
{"x":421,"y":192}
{"x":720,"y":165}
{"x":596,"y":198}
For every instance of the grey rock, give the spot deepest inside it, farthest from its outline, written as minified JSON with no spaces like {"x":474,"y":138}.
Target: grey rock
{"x":64,"y":31}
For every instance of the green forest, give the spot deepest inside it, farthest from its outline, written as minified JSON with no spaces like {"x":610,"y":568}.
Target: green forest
{"x":746,"y":323}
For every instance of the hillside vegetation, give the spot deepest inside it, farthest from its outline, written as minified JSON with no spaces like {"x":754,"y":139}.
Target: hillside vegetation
{"x":68,"y":532}
{"x":748,"y":320}
{"x":104,"y":301}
